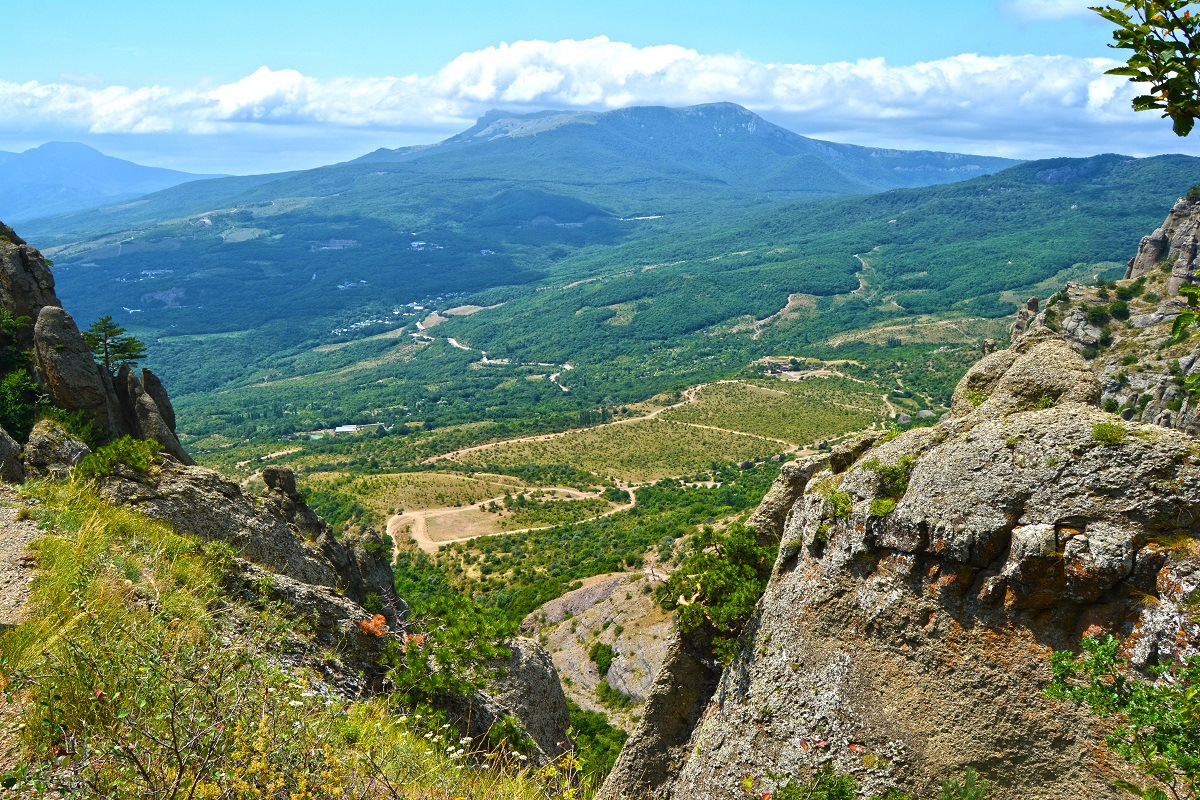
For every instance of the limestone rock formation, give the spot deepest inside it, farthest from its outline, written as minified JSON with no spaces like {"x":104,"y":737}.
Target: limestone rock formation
{"x":905,"y":644}
{"x":26,"y":285}
{"x":51,"y":451}
{"x":63,"y":363}
{"x":69,"y":374}
{"x":12,"y":470}
{"x":276,"y":531}
{"x":1174,"y":243}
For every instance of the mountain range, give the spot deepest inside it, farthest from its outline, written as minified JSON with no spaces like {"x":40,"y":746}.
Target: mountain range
{"x":59,"y":177}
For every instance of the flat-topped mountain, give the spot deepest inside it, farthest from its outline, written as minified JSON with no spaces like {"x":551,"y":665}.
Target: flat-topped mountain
{"x":720,"y":142}
{"x":59,"y":177}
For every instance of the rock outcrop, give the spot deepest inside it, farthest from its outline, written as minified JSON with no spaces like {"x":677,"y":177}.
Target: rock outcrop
{"x":1174,"y":244}
{"x":12,"y":470}
{"x":63,"y":365}
{"x":903,"y":643}
{"x":51,"y":452}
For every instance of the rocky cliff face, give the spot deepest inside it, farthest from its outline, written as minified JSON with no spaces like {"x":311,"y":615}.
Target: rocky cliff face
{"x":903,"y":643}
{"x":120,"y":405}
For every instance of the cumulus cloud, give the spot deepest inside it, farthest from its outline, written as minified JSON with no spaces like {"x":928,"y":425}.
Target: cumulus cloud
{"x":1016,"y":105}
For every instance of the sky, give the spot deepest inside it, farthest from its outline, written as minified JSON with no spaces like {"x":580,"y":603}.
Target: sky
{"x":262,"y":86}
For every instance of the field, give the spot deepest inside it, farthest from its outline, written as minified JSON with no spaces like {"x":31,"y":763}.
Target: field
{"x":390,"y":493}
{"x":797,"y":412}
{"x":635,"y":452}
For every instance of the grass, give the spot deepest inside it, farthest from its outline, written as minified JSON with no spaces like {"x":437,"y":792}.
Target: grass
{"x":136,"y":675}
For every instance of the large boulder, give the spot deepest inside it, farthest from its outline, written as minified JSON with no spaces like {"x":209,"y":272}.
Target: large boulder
{"x":51,"y":451}
{"x":276,"y":531}
{"x":142,"y":413}
{"x":70,"y":375}
{"x":903,"y":643}
{"x":11,"y":468}
{"x":26,"y":285}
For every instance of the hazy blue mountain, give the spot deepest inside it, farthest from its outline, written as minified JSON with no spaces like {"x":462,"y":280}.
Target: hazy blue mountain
{"x":65,"y":176}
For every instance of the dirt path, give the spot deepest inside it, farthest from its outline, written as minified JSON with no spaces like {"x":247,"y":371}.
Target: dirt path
{"x":419,"y":530}
{"x":16,"y":572}
{"x":16,"y":562}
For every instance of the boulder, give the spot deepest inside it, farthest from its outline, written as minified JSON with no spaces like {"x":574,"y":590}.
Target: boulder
{"x":26,"y":285}
{"x":142,"y":415}
{"x":11,"y":468}
{"x":69,"y":374}
{"x":905,"y":646}
{"x":154,"y":387}
{"x":51,"y":451}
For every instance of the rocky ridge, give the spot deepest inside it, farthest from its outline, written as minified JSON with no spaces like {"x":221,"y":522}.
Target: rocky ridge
{"x":286,"y":554}
{"x":924,"y":579}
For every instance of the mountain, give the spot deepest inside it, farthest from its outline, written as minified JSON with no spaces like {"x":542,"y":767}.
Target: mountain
{"x":720,"y":142}
{"x":59,"y":177}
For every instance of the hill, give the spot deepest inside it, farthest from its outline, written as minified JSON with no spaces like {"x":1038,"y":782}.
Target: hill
{"x":59,"y":177}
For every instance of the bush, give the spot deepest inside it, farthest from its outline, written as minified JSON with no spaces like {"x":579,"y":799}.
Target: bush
{"x":972,"y":787}
{"x":1119,"y":310}
{"x":1108,"y":434}
{"x":882,"y":506}
{"x":840,"y":503}
{"x":137,"y":454}
{"x":1157,"y":723}
{"x":718,"y":584}
{"x":602,"y":656}
{"x":893,"y":478}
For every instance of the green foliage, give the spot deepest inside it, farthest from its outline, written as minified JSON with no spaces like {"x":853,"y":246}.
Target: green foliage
{"x":461,"y":643}
{"x":18,"y":392}
{"x":598,"y":742}
{"x":972,"y":787}
{"x":1119,"y":310}
{"x":840,"y":503}
{"x":1193,"y":193}
{"x":824,"y":784}
{"x":602,"y":656}
{"x":612,"y":697}
{"x":882,"y":506}
{"x":718,"y":584}
{"x":615,"y":495}
{"x":111,"y":346}
{"x":137,"y":454}
{"x":1044,"y":402}
{"x":1155,"y":723}
{"x":1111,"y":405}
{"x":1108,"y":434}
{"x":1188,"y":317}
{"x":977,"y":398}
{"x":1164,"y":39}
{"x":893,"y":478}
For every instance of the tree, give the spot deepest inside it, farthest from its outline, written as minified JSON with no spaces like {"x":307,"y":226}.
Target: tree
{"x":111,"y":347}
{"x":1164,"y":36}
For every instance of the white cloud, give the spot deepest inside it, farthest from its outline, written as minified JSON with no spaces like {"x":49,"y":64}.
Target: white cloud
{"x":1049,"y":9}
{"x":1015,"y":105}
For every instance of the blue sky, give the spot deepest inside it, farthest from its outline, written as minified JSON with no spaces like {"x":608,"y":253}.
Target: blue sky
{"x":258,"y":86}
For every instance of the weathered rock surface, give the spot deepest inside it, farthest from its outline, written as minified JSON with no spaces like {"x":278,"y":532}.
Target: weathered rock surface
{"x":12,"y":470}
{"x":276,"y":531}
{"x":26,"y":285}
{"x":1174,"y":243}
{"x":68,"y":373}
{"x":63,"y":364}
{"x":905,"y":647}
{"x":51,"y":451}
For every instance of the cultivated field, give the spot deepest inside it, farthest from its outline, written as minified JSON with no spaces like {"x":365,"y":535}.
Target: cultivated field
{"x":634,"y":452}
{"x":387,"y":492}
{"x":798,"y":412}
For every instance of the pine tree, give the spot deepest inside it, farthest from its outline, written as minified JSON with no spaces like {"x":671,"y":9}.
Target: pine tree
{"x":111,"y":346}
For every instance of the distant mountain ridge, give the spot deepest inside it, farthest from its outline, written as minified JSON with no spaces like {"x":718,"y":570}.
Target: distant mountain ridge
{"x":59,"y":177}
{"x":720,"y":141}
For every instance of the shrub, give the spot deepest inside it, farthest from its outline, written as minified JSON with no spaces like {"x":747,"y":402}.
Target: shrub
{"x":977,"y":398}
{"x":1156,"y":723}
{"x":1095,"y":315}
{"x":602,"y":656}
{"x":882,"y":506}
{"x":972,"y":787}
{"x":1119,"y":310}
{"x":1108,"y":434}
{"x":137,"y":454}
{"x":893,"y":478}
{"x":718,"y":583}
{"x":1044,"y":402}
{"x":1111,"y":405}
